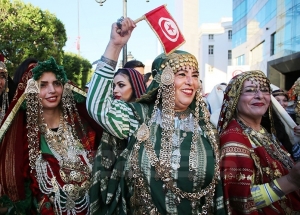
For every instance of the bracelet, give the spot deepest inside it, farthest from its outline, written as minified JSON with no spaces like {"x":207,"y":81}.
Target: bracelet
{"x":108,"y":61}
{"x":276,"y":189}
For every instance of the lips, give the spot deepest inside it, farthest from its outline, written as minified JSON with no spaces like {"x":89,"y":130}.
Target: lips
{"x":117,"y":97}
{"x":188,"y":92}
{"x":258,"y":104}
{"x":52,"y":99}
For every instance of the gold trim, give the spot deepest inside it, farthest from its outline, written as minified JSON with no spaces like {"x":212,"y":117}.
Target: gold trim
{"x":77,"y":90}
{"x":11,"y":116}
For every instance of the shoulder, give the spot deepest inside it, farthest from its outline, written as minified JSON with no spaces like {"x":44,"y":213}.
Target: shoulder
{"x":233,"y":133}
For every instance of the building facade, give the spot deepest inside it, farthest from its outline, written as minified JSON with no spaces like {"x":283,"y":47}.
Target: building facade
{"x":266,"y":37}
{"x":215,"y":53}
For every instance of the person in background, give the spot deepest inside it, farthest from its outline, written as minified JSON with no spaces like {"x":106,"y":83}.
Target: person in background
{"x":135,"y":64}
{"x":47,"y":146}
{"x":259,"y":175}
{"x":7,"y":89}
{"x":22,"y":68}
{"x":127,"y":86}
{"x":170,"y":164}
{"x":148,"y":79}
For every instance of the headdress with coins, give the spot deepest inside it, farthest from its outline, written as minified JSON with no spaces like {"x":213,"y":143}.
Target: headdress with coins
{"x":233,"y":92}
{"x":161,"y":92}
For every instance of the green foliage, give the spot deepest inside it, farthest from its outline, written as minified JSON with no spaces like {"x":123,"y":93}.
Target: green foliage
{"x":27,"y":31}
{"x":78,"y":69}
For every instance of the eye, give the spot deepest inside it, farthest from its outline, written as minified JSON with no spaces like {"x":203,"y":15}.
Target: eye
{"x":57,"y":83}
{"x":265,"y":90}
{"x":121,"y":85}
{"x":42,"y":85}
{"x":250,"y":89}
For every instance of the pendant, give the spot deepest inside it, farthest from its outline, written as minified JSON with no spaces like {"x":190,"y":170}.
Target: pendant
{"x":70,"y":204}
{"x":143,"y":133}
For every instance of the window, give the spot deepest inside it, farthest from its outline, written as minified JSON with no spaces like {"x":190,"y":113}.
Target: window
{"x":229,"y":55}
{"x":272,"y":48}
{"x":229,"y":34}
{"x":210,"y":36}
{"x":240,"y":60}
{"x":210,"y":50}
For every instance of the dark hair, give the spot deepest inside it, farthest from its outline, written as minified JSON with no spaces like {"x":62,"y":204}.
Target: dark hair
{"x":22,"y":68}
{"x":147,"y":77}
{"x":133,"y":64}
{"x":280,"y":92}
{"x":125,"y":72}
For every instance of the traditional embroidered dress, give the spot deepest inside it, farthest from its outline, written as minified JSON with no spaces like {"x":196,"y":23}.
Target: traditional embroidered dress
{"x":136,"y":185}
{"x":54,"y":174}
{"x":250,"y":160}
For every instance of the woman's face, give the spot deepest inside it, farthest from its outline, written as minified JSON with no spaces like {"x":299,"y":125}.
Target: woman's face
{"x":186,"y":84}
{"x":282,"y":100}
{"x":50,"y":90}
{"x":122,"y":88}
{"x":254,"y":101}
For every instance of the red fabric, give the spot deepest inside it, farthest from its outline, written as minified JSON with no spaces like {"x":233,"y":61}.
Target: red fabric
{"x":1,"y":58}
{"x":237,"y":167}
{"x":165,"y":28}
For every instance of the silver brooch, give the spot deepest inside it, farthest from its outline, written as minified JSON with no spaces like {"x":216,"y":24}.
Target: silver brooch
{"x":167,"y":77}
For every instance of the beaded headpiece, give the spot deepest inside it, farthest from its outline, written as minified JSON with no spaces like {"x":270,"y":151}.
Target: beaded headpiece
{"x":50,"y":66}
{"x":232,"y":94}
{"x":280,"y":92}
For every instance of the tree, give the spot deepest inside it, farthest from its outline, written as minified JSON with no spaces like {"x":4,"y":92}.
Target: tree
{"x":27,"y":31}
{"x":78,"y":69}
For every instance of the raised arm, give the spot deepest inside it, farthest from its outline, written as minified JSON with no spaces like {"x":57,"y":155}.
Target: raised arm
{"x":113,"y":115}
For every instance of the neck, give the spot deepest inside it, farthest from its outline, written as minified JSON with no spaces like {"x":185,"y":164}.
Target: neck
{"x":52,"y":117}
{"x":252,"y":123}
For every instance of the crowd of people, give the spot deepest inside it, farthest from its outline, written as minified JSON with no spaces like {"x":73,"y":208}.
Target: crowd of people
{"x":135,"y":143}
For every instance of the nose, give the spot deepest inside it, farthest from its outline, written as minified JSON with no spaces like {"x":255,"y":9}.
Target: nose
{"x":258,"y":94}
{"x":188,"y":80}
{"x":51,"y":89}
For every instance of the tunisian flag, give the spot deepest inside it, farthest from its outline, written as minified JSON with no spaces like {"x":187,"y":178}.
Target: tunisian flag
{"x":165,"y":28}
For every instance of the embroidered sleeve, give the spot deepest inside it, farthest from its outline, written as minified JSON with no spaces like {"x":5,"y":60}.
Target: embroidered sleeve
{"x":113,"y":115}
{"x":263,"y":195}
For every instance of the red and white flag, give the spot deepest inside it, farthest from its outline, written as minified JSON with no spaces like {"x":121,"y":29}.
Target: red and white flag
{"x":165,"y":28}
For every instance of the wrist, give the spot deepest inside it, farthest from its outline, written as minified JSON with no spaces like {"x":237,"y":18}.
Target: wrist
{"x":293,"y":180}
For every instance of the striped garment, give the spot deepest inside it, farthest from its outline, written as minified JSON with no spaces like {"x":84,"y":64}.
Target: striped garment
{"x":115,"y":116}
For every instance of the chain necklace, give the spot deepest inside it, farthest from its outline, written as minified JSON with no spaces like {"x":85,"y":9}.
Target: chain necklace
{"x":162,"y":164}
{"x":265,"y":139}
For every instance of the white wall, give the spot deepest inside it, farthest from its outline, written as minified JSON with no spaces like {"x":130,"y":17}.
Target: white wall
{"x":219,"y":60}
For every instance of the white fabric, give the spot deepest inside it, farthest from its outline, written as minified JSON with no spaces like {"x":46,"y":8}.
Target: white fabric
{"x":286,"y":119}
{"x":215,"y":100}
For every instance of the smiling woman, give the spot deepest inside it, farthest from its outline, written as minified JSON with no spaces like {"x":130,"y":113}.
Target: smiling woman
{"x":258,"y":174}
{"x":55,"y":162}
{"x":169,"y":162}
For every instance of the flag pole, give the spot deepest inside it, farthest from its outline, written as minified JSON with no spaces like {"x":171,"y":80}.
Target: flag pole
{"x":139,"y":19}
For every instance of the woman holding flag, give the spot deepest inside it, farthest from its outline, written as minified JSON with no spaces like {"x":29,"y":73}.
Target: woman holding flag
{"x":170,"y":164}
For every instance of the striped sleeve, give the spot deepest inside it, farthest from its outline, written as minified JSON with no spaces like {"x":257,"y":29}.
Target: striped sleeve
{"x":115,"y":116}
{"x":263,"y":195}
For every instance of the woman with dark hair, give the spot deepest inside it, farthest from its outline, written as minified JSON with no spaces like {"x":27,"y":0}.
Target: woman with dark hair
{"x":128,"y":85}
{"x":47,"y":146}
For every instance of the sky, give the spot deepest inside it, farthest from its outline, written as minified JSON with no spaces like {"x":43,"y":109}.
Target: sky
{"x":95,"y":23}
